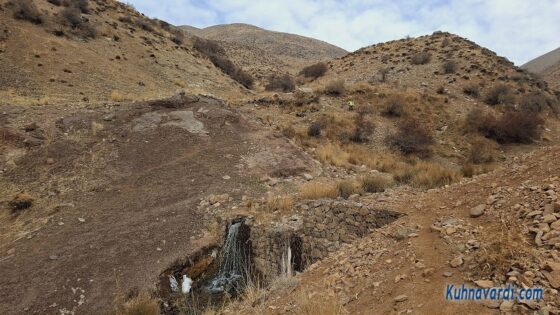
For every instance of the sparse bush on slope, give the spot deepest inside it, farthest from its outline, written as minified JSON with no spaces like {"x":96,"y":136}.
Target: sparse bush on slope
{"x":450,"y":67}
{"x":26,"y":10}
{"x":394,"y":106}
{"x":411,"y":138}
{"x":499,"y":95}
{"x":216,"y":54}
{"x":421,"y":58}
{"x":282,"y":83}
{"x":511,"y":127}
{"x":314,"y":71}
{"x":335,"y":88}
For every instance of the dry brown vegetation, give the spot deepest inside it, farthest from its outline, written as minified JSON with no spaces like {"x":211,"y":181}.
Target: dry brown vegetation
{"x":279,"y":202}
{"x":376,"y":183}
{"x":308,"y":305}
{"x":482,"y":151}
{"x":142,"y":304}
{"x":314,"y":71}
{"x":510,"y":127}
{"x":499,"y":95}
{"x":421,"y":58}
{"x":472,"y":90}
{"x":411,"y":138}
{"x":318,"y":190}
{"x":335,"y":88}
{"x":394,"y":106}
{"x":26,"y":10}
{"x":282,"y":83}
{"x":216,"y":54}
{"x":450,"y":67}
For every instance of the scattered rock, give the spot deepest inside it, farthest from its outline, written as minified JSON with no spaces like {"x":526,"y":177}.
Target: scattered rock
{"x":553,"y":278}
{"x":447,"y":274}
{"x":456,"y":262}
{"x":484,"y":283}
{"x":400,"y":298}
{"x":477,"y":211}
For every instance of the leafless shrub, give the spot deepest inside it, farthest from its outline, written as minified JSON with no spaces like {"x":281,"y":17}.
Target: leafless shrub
{"x":335,"y":88}
{"x":314,"y":130}
{"x":394,"y":106}
{"x":499,"y":95}
{"x":511,"y":127}
{"x":537,"y":102}
{"x":411,"y":138}
{"x":421,"y":58}
{"x":472,"y":90}
{"x":363,"y":128}
{"x":314,"y":71}
{"x":449,"y":67}
{"x":26,"y":10}
{"x":283,"y":83}
{"x":216,"y":54}
{"x":482,"y":151}
{"x":72,"y":16}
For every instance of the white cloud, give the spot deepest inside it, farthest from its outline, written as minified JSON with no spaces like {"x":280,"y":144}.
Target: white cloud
{"x":517,"y":29}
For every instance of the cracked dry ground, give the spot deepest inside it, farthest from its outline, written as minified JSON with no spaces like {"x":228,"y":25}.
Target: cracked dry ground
{"x":404,"y":267}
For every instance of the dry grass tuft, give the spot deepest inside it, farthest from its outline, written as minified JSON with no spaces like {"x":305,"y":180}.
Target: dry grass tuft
{"x":117,"y":96}
{"x":318,"y":190}
{"x":426,"y":175}
{"x":279,"y":203}
{"x":376,"y":183}
{"x":333,"y":154}
{"x":143,"y":304}
{"x":502,"y":247}
{"x":325,"y":304}
{"x":347,"y":188}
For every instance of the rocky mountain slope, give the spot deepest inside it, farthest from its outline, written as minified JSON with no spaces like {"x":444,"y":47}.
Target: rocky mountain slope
{"x":364,"y":186}
{"x":105,"y":51}
{"x":547,"y":65}
{"x":288,"y":51}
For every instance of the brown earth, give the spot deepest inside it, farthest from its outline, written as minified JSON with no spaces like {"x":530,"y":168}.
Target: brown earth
{"x":131,"y":57}
{"x":115,"y":191}
{"x":100,"y":197}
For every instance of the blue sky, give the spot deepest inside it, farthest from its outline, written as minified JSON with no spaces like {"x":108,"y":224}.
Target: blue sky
{"x":517,"y":29}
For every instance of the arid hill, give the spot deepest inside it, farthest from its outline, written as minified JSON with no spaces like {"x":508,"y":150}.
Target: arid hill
{"x":363,"y":184}
{"x":52,"y":53}
{"x":547,"y":65}
{"x":291,"y":51}
{"x":544,"y":62}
